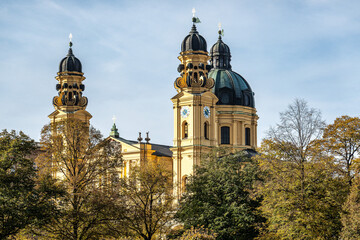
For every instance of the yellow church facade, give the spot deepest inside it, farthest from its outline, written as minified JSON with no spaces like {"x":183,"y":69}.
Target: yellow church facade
{"x":212,"y":106}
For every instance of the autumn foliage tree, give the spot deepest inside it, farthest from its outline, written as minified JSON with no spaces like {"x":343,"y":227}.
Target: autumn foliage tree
{"x":84,"y":163}
{"x":145,"y":205}
{"x":199,"y":233}
{"x":302,"y":197}
{"x":342,"y":140}
{"x":351,"y":216}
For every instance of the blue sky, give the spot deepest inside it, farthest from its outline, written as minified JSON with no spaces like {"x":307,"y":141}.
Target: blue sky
{"x":285,"y":49}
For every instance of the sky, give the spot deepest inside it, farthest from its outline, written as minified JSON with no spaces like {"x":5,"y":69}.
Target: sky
{"x":285,"y":49}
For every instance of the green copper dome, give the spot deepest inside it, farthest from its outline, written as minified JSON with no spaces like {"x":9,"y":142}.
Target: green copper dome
{"x":231,"y":88}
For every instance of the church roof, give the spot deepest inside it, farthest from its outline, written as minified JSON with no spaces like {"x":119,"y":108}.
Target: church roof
{"x":160,"y":150}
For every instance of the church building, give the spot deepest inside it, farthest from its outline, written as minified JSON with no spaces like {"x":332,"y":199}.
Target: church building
{"x":212,"y":105}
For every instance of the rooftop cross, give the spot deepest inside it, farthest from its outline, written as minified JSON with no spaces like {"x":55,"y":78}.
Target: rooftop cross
{"x":114,"y":119}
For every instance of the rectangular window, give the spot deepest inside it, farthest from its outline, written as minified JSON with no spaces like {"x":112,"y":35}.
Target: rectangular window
{"x":247,"y":136}
{"x":206,"y":130}
{"x":185,"y":130}
{"x":225,"y":135}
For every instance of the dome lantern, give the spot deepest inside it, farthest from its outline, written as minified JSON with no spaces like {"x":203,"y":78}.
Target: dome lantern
{"x":220,"y":53}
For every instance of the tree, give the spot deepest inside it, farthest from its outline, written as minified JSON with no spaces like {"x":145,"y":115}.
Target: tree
{"x":24,"y":198}
{"x":351,"y":217}
{"x":145,"y":203}
{"x":342,"y":140}
{"x":198,"y":234}
{"x":220,"y":196}
{"x":302,"y":196}
{"x":85,"y":164}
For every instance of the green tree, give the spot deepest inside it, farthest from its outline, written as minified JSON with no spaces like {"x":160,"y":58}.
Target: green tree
{"x":24,"y":198}
{"x":86,"y":165}
{"x":145,"y":203}
{"x":302,"y":195}
{"x":220,"y":196}
{"x":342,"y":140}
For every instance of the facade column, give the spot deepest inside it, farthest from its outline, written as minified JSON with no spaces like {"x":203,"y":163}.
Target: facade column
{"x":253,"y":135}
{"x":235,"y":133}
{"x":242,"y":133}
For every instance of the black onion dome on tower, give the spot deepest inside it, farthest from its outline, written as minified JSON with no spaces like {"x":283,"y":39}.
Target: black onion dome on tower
{"x":70,"y":64}
{"x":194,"y":41}
{"x":230,"y":87}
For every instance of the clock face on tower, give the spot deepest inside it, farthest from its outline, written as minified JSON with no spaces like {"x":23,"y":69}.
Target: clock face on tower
{"x":206,"y":112}
{"x":185,"y":111}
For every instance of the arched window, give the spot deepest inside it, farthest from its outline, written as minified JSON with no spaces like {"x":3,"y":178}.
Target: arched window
{"x":247,"y":136}
{"x":185,"y":130}
{"x":225,"y":135}
{"x":206,"y":130}
{"x":184,"y":182}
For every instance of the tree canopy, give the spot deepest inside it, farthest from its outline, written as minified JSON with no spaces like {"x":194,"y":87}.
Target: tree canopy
{"x":145,"y":202}
{"x":351,"y":215}
{"x":86,"y":165}
{"x":342,"y":140}
{"x":24,"y":198}
{"x":220,"y":196}
{"x":302,"y":198}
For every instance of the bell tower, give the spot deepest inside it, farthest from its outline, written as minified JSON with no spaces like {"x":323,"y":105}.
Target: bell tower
{"x":70,"y":102}
{"x":194,"y":107}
